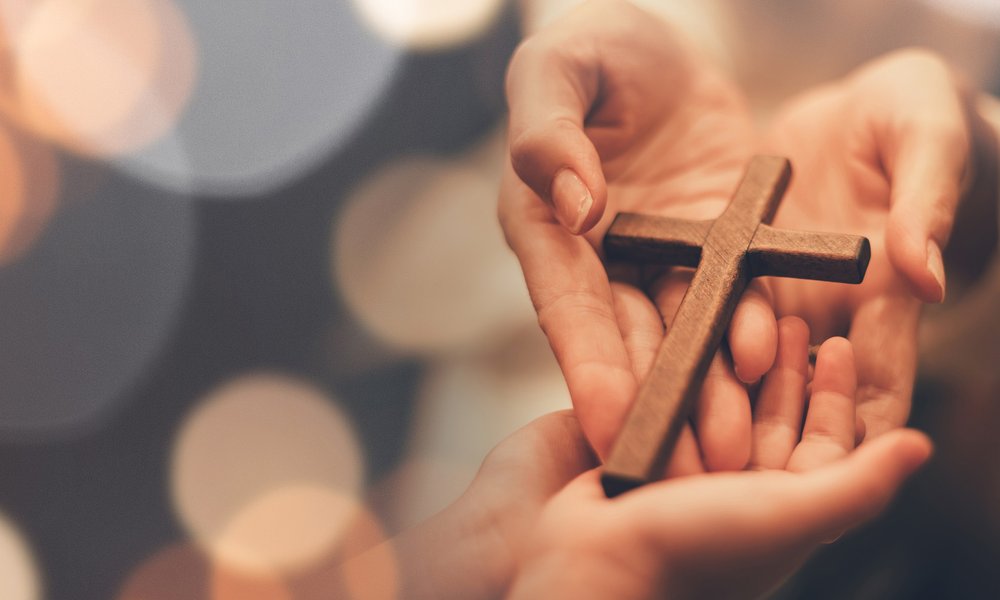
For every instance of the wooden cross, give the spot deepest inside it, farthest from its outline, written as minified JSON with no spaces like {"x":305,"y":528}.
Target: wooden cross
{"x":727,"y":252}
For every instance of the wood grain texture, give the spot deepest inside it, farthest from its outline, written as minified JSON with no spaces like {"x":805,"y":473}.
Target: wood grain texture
{"x":639,"y":238}
{"x":667,"y":396}
{"x":806,"y":255}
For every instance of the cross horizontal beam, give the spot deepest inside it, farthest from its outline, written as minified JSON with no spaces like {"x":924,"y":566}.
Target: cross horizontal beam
{"x":727,"y":252}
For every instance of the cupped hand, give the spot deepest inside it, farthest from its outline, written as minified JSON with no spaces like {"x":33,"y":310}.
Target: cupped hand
{"x":881,"y":153}
{"x":723,"y":535}
{"x":611,"y":111}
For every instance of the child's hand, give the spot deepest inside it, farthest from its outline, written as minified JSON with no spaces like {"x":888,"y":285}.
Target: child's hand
{"x":730,"y":534}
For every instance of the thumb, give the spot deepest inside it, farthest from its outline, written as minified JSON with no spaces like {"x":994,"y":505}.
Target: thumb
{"x":856,"y":489}
{"x":926,"y":185}
{"x":925,"y":148}
{"x":549,"y":94}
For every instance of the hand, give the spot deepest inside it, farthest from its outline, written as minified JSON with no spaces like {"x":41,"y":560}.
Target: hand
{"x":881,"y":153}
{"x":752,"y":527}
{"x":723,"y":535}
{"x":469,"y":550}
{"x":610,"y":111}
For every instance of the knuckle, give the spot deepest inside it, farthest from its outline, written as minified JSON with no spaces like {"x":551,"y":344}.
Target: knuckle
{"x":921,"y":58}
{"x":582,"y":304}
{"x":533,"y":50}
{"x":529,"y":147}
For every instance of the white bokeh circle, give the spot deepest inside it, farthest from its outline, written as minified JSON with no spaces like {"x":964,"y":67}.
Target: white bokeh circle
{"x":279,"y":89}
{"x":428,"y":24}
{"x":19,"y":575}
{"x":419,"y":256}
{"x":266,"y":472}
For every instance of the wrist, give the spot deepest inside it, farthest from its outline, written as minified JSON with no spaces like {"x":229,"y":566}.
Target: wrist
{"x":459,"y":553}
{"x":571,"y":575}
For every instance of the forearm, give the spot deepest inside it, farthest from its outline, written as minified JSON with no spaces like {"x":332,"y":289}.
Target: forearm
{"x":570,"y":577}
{"x":457,"y":554}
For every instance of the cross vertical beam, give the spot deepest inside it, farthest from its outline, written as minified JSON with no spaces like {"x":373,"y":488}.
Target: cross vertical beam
{"x":728,"y":252}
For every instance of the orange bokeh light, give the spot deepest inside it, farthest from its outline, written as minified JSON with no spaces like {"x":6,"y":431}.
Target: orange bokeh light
{"x":28,"y":192}
{"x":99,"y":77}
{"x":363,"y":566}
{"x":267,"y":473}
{"x":19,"y":577}
{"x":287,"y":529}
{"x":183,"y":572}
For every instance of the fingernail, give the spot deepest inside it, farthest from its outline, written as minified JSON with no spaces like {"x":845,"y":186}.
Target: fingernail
{"x":572,"y":200}
{"x":740,"y":376}
{"x":935,"y":264}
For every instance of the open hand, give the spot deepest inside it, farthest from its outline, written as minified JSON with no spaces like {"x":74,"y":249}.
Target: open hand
{"x":881,"y":153}
{"x":611,"y":111}
{"x":722,"y":535}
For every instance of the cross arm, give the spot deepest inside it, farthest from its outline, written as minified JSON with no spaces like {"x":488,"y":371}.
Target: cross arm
{"x":807,"y":255}
{"x":660,"y":240}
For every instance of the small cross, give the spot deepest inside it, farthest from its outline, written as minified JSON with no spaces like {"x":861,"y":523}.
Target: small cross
{"x":727,"y":252}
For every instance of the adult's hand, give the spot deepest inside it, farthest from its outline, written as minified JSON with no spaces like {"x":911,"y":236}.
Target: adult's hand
{"x":610,"y":110}
{"x":882,"y":153}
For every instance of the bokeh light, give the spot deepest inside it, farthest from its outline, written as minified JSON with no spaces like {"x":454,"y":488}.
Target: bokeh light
{"x":92,"y":303}
{"x":266,"y":473}
{"x":279,"y":89}
{"x":376,"y":577}
{"x":28,"y":191}
{"x":428,"y":24}
{"x":184,"y":572}
{"x":19,"y":577}
{"x":99,"y":77}
{"x":420,"y":259}
{"x":288,"y":528}
{"x":363,"y":567}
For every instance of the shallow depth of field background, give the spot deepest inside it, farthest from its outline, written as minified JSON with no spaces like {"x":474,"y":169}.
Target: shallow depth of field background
{"x":253,"y":292}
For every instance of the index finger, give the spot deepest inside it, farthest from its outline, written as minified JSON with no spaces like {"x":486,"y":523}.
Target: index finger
{"x":884,"y":335}
{"x":551,"y":86}
{"x":572,"y":296}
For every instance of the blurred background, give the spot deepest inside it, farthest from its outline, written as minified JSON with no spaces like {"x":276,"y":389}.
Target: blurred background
{"x":253,"y":291}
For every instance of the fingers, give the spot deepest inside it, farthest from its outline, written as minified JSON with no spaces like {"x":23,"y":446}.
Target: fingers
{"x":722,"y":415}
{"x":640,"y":324}
{"x":777,"y":416}
{"x":551,"y":86}
{"x":572,"y":296}
{"x":686,"y":459}
{"x":722,"y":419}
{"x":853,"y":490}
{"x":753,"y":334}
{"x":924,"y":144}
{"x":769,"y":513}
{"x":884,"y":335}
{"x":828,"y":432}
{"x":642,"y":329}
